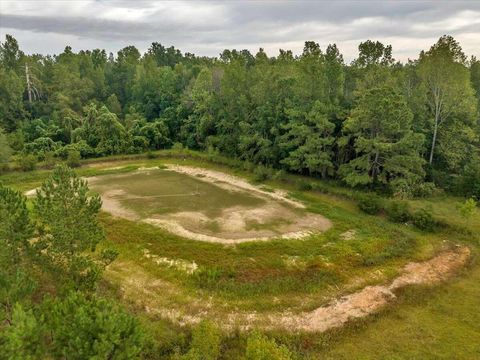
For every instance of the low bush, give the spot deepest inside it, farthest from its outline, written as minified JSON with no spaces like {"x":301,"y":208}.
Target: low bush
{"x":262,"y":173}
{"x":206,"y":341}
{"x":369,"y":203}
{"x":177,"y":146}
{"x":259,"y":347}
{"x":85,"y":150}
{"x":151,"y":155}
{"x":27,"y":162}
{"x":50,"y":160}
{"x":423,"y":219}
{"x":280,"y":175}
{"x":73,"y":158}
{"x":303,"y":185}
{"x":424,"y":189}
{"x":398,"y":211}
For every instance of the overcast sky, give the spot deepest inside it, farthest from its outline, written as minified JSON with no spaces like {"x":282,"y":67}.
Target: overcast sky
{"x":208,"y":27}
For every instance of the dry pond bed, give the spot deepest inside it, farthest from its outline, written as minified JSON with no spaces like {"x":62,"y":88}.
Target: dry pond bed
{"x":205,"y":205}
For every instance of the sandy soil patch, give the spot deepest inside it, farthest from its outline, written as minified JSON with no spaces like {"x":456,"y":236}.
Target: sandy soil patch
{"x":234,"y":224}
{"x":178,"y":264}
{"x":111,"y":203}
{"x":30,"y":193}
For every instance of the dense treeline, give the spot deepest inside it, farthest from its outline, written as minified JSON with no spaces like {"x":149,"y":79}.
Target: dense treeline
{"x":374,"y":122}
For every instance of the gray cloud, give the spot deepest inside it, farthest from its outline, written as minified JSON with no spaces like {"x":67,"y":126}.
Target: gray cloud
{"x":206,"y":28}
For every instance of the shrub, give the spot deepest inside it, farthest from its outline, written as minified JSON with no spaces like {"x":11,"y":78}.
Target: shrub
{"x":259,"y":347}
{"x":423,"y":219}
{"x":280,"y":175}
{"x":27,"y":162}
{"x":423,"y":189}
{"x":100,"y":329}
{"x":41,"y":145}
{"x":248,"y":166}
{"x":205,"y":343}
{"x":321,"y":187}
{"x":303,"y":185}
{"x":398,"y":211}
{"x":370,"y":204}
{"x":178,"y":146}
{"x":151,"y":155}
{"x":81,"y":146}
{"x":5,"y":150}
{"x":50,"y":160}
{"x":467,"y":209}
{"x":262,"y":173}
{"x":470,"y":179}
{"x":73,"y":158}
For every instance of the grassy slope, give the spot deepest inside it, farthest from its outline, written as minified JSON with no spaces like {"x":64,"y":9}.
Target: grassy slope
{"x":438,"y":323}
{"x":442,"y":322}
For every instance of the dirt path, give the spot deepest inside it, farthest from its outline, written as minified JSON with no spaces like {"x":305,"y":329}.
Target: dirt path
{"x":372,"y":298}
{"x":353,"y":306}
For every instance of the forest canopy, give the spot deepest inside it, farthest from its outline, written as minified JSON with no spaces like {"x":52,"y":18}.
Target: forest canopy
{"x":374,"y":122}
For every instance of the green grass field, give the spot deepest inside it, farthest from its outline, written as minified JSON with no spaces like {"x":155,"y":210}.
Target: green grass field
{"x":293,"y":275}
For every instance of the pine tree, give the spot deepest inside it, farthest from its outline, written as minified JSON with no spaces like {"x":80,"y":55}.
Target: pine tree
{"x":67,"y":218}
{"x":309,"y":140}
{"x":387,"y":149}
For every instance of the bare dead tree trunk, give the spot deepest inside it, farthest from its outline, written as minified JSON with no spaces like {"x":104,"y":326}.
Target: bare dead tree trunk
{"x":434,"y":140}
{"x":438,"y":108}
{"x":29,"y":88}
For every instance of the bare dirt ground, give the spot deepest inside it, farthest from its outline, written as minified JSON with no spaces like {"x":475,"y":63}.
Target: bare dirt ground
{"x":191,"y":309}
{"x":279,"y":218}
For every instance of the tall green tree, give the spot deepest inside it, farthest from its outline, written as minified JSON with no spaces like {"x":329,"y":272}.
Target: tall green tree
{"x":309,"y":141}
{"x":447,"y":89}
{"x":15,"y":232}
{"x":387,"y":150}
{"x":374,"y":53}
{"x":12,"y":111}
{"x":5,"y":150}
{"x":67,"y":217}
{"x":10,"y":53}
{"x":102,"y":130}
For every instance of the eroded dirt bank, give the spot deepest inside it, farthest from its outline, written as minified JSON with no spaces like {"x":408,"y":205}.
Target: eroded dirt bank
{"x":372,"y":298}
{"x":142,"y":290}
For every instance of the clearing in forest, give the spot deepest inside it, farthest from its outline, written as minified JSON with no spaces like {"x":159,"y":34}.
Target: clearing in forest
{"x":205,"y":205}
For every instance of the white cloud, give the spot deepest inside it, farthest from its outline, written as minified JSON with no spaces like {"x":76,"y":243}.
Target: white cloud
{"x":208,"y":27}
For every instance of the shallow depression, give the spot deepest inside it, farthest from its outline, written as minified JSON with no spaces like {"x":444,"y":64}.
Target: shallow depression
{"x":205,"y":205}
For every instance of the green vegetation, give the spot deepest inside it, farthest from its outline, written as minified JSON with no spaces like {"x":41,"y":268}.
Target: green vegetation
{"x":64,"y":225}
{"x":248,"y":276}
{"x":374,"y":123}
